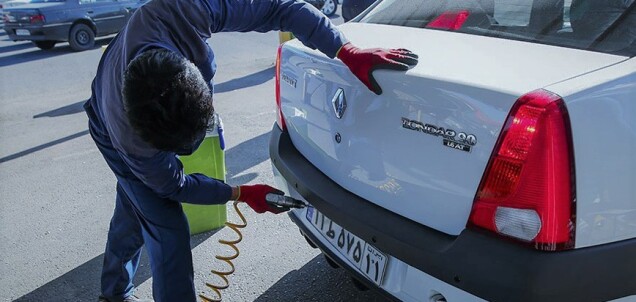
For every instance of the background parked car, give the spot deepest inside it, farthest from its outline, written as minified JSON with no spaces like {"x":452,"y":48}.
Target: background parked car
{"x":46,"y":22}
{"x":500,"y":168}
{"x":352,"y":8}
{"x":14,"y":3}
{"x":316,"y":3}
{"x":11,"y":3}
{"x":330,"y":7}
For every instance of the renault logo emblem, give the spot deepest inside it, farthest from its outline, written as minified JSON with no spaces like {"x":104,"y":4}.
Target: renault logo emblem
{"x":339,"y":103}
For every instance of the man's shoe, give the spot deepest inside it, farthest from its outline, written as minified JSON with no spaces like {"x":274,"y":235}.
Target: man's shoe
{"x":131,"y":298}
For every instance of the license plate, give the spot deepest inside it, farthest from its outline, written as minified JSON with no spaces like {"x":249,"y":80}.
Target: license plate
{"x":22,"y":32}
{"x":363,"y":256}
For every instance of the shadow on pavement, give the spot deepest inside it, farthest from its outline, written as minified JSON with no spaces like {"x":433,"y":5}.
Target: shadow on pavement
{"x":250,"y":80}
{"x":14,"y":47}
{"x":83,"y":282}
{"x":317,"y":281}
{"x":242,"y":82}
{"x":66,"y":110}
{"x":244,"y":156}
{"x":238,"y":158}
{"x":42,"y":146}
{"x":38,"y":54}
{"x":3,"y":35}
{"x":33,"y":55}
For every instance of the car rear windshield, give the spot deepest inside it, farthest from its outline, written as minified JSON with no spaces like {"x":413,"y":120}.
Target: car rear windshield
{"x":599,"y":25}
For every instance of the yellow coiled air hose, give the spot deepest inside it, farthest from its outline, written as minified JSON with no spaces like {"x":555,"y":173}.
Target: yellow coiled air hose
{"x":275,"y":201}
{"x":227,"y":259}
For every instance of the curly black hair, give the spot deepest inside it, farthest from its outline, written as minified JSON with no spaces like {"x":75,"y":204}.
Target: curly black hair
{"x":167,"y":101}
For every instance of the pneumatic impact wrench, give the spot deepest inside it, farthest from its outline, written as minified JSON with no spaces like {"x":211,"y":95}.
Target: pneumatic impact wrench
{"x":284,"y":202}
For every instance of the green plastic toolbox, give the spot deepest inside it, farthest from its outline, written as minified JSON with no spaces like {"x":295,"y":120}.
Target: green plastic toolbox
{"x":208,"y":159}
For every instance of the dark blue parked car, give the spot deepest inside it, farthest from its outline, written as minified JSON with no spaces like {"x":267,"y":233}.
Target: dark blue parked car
{"x":352,"y":8}
{"x":46,"y":22}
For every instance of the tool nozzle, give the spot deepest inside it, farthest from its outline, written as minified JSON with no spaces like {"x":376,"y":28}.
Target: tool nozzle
{"x":284,"y":201}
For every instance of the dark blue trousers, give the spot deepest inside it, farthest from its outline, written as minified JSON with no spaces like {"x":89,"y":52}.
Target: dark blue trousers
{"x":141,"y":217}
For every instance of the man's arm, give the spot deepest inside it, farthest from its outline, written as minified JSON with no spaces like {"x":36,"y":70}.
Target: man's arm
{"x":163,"y":173}
{"x":306,"y":22}
{"x":312,"y":28}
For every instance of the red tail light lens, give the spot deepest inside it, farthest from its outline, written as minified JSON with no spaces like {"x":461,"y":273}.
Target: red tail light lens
{"x":280,"y":119}
{"x":37,"y":19}
{"x":528,"y":189}
{"x":449,"y":20}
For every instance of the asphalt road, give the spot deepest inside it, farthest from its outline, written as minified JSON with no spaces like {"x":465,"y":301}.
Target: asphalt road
{"x":57,"y":194}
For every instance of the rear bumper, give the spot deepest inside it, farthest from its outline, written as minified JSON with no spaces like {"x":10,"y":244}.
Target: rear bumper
{"x":53,"y":32}
{"x":478,"y":263}
{"x":327,"y":251}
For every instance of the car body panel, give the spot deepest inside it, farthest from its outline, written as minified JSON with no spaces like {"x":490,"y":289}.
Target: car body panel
{"x":108,"y":17}
{"x":603,"y":118}
{"x":379,"y":166}
{"x":478,"y":262}
{"x":461,"y":90}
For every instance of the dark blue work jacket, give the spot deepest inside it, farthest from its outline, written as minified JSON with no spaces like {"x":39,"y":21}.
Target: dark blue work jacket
{"x":184,"y":26}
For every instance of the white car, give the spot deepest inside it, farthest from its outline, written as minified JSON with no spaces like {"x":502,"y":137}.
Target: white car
{"x":501,"y":168}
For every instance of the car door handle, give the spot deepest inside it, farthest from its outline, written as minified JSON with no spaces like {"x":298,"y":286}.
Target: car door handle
{"x":90,"y":11}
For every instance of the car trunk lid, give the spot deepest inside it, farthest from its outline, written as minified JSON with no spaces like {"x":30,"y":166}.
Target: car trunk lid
{"x":420,"y":149}
{"x":22,"y":14}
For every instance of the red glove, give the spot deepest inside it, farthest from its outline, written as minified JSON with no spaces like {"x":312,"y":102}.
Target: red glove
{"x":362,"y":62}
{"x":254,"y":196}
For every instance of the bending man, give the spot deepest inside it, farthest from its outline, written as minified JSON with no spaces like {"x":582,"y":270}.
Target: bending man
{"x":152,"y":100}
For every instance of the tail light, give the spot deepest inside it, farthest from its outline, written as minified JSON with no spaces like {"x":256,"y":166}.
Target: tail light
{"x":39,"y":18}
{"x":449,"y":20}
{"x":528,"y":189}
{"x":280,"y":119}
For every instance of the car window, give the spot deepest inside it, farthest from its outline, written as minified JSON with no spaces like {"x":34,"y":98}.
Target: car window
{"x":46,"y":1}
{"x":598,"y":25}
{"x":95,"y":1}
